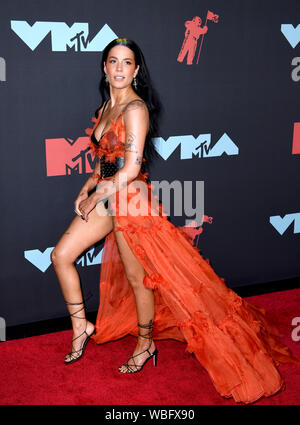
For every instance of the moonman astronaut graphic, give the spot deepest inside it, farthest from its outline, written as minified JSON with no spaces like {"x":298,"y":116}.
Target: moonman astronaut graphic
{"x":192,"y":34}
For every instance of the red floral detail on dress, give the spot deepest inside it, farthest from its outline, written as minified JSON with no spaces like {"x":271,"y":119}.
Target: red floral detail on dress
{"x":139,"y":250}
{"x":153,"y":281}
{"x":199,"y":318}
{"x":110,"y":144}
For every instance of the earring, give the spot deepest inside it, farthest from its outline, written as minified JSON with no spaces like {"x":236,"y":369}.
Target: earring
{"x":135,"y":83}
{"x":106,"y":79}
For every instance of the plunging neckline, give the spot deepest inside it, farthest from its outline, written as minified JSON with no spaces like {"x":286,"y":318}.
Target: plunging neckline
{"x":107,"y":131}
{"x":112,"y":121}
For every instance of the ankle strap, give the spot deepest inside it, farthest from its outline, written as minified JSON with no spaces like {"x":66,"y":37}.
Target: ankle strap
{"x":147,"y":326}
{"x":75,"y":312}
{"x":80,"y":303}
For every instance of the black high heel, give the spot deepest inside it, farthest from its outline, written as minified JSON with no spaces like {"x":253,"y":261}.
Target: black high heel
{"x":73,"y":354}
{"x":138,"y":368}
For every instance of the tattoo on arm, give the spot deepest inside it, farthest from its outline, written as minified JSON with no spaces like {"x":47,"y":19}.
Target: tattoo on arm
{"x":138,"y":160}
{"x":130,"y":145}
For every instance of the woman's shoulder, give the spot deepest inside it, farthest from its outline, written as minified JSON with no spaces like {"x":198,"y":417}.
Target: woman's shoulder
{"x":134,"y":104}
{"x":136,"y":110}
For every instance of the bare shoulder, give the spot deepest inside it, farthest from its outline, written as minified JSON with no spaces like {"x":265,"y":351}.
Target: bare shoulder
{"x":136,"y":115}
{"x":136,"y":104}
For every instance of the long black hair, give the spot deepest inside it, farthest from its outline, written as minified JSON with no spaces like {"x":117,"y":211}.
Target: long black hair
{"x":144,"y":89}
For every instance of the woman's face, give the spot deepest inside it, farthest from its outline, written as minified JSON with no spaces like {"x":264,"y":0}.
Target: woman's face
{"x":120,"y":67}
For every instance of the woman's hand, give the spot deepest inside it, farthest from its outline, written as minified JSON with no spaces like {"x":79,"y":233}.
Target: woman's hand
{"x":86,"y":206}
{"x":81,"y":197}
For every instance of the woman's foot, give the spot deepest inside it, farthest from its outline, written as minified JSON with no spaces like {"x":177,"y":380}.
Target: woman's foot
{"x":81,"y":333}
{"x":140,"y":355}
{"x":144,"y":350}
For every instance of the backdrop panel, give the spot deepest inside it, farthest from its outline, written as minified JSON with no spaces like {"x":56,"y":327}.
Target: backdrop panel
{"x":231,"y":119}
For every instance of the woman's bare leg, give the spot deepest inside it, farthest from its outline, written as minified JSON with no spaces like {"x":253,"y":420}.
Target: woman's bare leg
{"x":79,"y":236}
{"x":144,"y":298}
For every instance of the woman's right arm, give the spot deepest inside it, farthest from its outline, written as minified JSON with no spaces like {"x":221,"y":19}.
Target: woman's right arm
{"x":87,"y":187}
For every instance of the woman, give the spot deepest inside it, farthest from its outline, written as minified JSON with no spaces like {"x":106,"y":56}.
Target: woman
{"x":151,"y":272}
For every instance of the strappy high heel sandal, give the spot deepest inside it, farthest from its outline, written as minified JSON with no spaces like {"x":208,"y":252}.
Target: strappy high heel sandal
{"x":133,"y":367}
{"x":75,"y":355}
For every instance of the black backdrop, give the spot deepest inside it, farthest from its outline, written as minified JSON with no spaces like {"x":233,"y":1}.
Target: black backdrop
{"x":242,"y":87}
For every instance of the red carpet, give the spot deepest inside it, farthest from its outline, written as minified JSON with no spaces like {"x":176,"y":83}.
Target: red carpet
{"x":33,"y":371}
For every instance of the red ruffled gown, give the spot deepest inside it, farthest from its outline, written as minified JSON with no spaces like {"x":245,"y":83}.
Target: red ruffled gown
{"x":236,"y":343}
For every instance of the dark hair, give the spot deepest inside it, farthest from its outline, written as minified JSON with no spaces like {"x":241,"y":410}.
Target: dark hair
{"x":144,"y":89}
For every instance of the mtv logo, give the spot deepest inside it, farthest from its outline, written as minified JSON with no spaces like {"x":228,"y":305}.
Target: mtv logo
{"x":42,"y":260}
{"x":66,"y":157}
{"x":89,"y":258}
{"x":282,"y":223}
{"x":200,"y":146}
{"x":291,"y":33}
{"x":62,"y":35}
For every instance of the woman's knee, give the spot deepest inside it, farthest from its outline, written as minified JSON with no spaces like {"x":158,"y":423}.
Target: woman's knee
{"x":135,"y":279}
{"x":60,"y":255}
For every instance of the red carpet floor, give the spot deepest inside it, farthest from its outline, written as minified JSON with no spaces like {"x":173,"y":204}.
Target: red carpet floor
{"x":33,"y":372}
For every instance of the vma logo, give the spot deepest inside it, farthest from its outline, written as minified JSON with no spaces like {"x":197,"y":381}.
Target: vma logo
{"x":75,"y":37}
{"x":67,"y":157}
{"x":200,"y":146}
{"x":282,"y":223}
{"x":42,"y":260}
